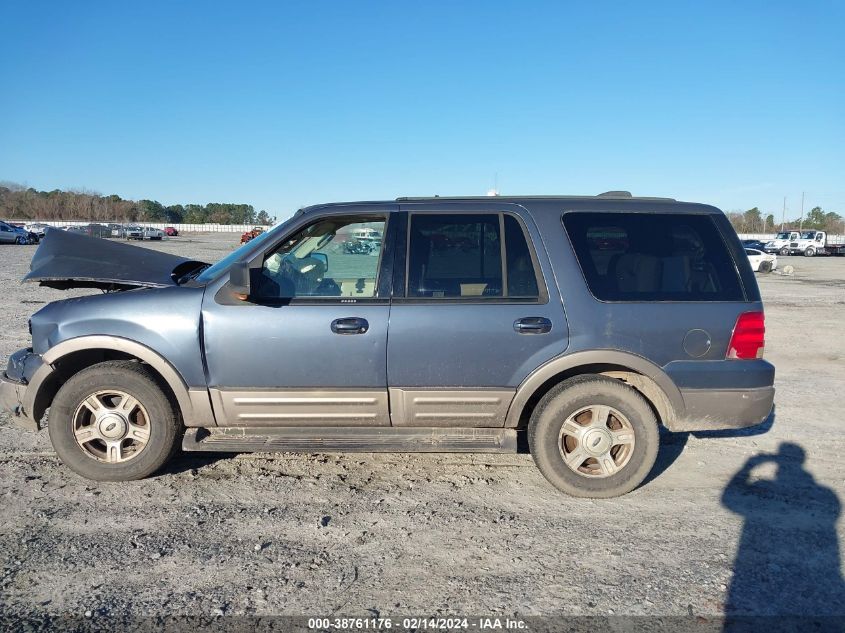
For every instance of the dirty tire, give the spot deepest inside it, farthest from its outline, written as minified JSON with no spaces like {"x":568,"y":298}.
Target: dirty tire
{"x":136,"y":380}
{"x":810,"y":252}
{"x":765,"y":267}
{"x":564,"y":400}
{"x":784,"y":251}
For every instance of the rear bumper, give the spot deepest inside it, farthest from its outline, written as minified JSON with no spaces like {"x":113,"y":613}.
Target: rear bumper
{"x":11,"y":402}
{"x":720,"y":409}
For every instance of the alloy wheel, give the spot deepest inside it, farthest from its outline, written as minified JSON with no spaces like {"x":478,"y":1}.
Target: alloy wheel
{"x":596,"y":441}
{"x":111,"y":426}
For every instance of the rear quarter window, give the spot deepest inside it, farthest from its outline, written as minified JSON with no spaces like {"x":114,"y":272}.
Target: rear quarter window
{"x":653,"y":257}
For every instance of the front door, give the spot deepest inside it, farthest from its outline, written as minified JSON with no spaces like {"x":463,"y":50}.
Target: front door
{"x":309,"y":346}
{"x":475,"y":310}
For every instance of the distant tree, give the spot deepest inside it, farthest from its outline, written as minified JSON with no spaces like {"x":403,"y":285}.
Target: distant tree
{"x":263,"y":218}
{"x":737,"y":221}
{"x":815,"y":219}
{"x":195,"y":214}
{"x":770,"y":223}
{"x":151,"y":210}
{"x":752,"y":220}
{"x":18,"y":202}
{"x":833,"y":222}
{"x":174,"y":213}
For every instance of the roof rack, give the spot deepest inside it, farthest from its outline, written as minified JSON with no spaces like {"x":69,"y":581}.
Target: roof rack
{"x":607,"y":194}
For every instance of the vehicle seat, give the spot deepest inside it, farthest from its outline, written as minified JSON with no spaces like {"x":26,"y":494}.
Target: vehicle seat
{"x":636,"y":272}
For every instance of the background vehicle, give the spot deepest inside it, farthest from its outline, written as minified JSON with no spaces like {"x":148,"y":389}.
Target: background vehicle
{"x":363,"y":241}
{"x":135,"y":232}
{"x":761,"y":262}
{"x":39,"y":228}
{"x":98,"y":230}
{"x":812,"y":243}
{"x":11,"y":235}
{"x":755,"y":244}
{"x":251,"y":235}
{"x":19,"y":235}
{"x":781,"y":242}
{"x":487,"y":342}
{"x":171,"y":231}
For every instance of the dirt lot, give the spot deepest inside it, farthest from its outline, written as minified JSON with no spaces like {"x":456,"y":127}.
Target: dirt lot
{"x":399,"y":534}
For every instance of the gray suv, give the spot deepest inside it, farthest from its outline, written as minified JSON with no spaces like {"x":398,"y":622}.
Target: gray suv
{"x":579,"y":323}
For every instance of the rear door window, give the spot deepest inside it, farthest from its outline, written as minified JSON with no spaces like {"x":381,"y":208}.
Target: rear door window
{"x":469,"y":256}
{"x":653,"y":257}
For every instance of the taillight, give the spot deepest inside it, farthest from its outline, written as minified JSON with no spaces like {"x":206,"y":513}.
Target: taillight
{"x":749,"y":336}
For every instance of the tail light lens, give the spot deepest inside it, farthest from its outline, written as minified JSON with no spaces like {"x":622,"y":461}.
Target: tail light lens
{"x":749,"y":337}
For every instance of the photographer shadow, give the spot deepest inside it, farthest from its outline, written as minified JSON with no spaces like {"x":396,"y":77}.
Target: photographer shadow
{"x":787,"y":562}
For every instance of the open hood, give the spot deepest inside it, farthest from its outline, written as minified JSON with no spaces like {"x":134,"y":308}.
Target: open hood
{"x":72,"y":260}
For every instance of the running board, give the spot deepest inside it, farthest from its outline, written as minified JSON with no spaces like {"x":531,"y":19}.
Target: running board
{"x":386,"y":439}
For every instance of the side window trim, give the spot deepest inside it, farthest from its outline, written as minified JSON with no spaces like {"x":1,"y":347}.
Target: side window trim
{"x":503,"y":256}
{"x":402,"y":262}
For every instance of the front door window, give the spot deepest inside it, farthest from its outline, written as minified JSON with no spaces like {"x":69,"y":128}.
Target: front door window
{"x":334,"y":257}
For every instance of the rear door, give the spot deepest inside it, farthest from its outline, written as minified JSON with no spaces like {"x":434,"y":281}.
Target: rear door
{"x":474,"y":311}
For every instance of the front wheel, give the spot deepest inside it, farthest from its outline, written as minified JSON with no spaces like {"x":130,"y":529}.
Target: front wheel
{"x":784,"y":251}
{"x":21,"y":240}
{"x":112,"y":422}
{"x":593,"y":436}
{"x":810,"y":252}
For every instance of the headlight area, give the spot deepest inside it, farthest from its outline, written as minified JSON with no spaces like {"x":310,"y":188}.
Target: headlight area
{"x":22,"y":365}
{"x":42,"y":327}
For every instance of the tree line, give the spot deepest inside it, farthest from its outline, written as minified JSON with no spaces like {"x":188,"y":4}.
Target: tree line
{"x":21,"y":203}
{"x":753,"y":221}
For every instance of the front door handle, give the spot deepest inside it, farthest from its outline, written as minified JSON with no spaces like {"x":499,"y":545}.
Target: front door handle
{"x":350,"y":325}
{"x":532,"y":325}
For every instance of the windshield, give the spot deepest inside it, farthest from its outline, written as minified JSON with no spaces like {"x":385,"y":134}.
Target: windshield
{"x":212,"y":271}
{"x":782,"y":236}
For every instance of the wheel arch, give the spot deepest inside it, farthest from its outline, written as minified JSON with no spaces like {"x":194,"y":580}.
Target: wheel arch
{"x":68,"y":357}
{"x":641,"y":374}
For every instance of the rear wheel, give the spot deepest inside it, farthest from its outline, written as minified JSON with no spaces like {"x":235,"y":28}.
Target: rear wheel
{"x":593,"y":436}
{"x":112,"y":422}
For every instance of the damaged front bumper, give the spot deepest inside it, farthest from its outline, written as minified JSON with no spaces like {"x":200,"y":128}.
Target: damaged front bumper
{"x":13,"y":387}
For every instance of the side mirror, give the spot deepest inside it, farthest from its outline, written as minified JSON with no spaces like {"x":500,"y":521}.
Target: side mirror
{"x":322,"y":257}
{"x":239,"y":275}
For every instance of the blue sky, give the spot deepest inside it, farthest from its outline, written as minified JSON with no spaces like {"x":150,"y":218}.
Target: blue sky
{"x":284,"y":104}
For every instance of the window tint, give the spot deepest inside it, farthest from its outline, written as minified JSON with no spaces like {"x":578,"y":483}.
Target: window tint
{"x":455,"y":256}
{"x":461,"y":256}
{"x":653,"y":257}
{"x":334,"y":257}
{"x":522,"y":280}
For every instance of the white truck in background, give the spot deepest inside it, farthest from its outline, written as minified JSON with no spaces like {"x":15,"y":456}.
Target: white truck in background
{"x":807,"y":243}
{"x":780,"y":243}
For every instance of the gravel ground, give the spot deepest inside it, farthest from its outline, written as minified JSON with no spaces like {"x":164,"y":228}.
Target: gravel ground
{"x":446,"y":534}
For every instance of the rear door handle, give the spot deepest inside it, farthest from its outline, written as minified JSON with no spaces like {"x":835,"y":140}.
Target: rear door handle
{"x":532,"y":325}
{"x":350,"y":325}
